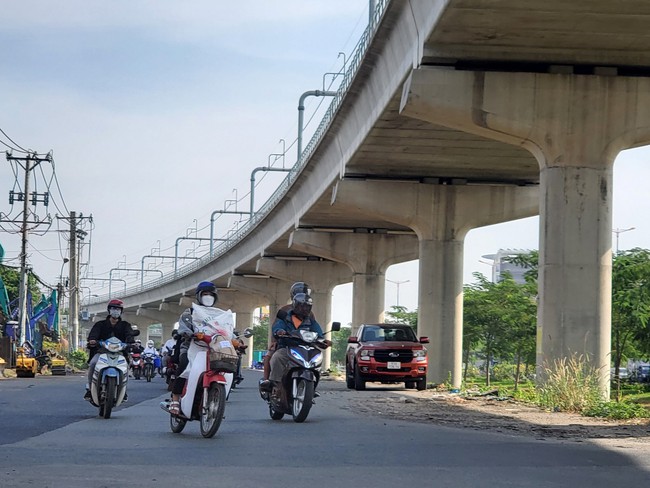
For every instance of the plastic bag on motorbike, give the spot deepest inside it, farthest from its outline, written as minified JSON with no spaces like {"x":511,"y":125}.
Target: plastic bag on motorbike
{"x":213,"y":321}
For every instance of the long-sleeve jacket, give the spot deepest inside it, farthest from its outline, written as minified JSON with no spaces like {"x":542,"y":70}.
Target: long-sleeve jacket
{"x":288,"y":324}
{"x":103,"y":330}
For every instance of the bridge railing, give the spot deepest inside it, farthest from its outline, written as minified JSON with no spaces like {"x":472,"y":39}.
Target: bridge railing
{"x":283,"y":188}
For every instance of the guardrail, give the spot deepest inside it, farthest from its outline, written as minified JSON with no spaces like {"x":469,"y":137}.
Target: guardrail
{"x":353,"y":67}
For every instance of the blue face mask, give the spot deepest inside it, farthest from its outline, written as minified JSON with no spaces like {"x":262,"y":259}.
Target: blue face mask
{"x":115,"y":312}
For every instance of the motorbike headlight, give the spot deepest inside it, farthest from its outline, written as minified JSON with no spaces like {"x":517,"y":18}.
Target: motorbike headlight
{"x":316,"y":360}
{"x":308,"y":335}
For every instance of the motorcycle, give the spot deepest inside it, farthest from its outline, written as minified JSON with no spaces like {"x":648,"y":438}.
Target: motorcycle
{"x":204,"y":396}
{"x":294,"y":394}
{"x":110,"y":377}
{"x":241,"y":351}
{"x":136,"y":365}
{"x":148,"y":369}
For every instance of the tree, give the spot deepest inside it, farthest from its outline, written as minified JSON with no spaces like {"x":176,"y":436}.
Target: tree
{"x":401,"y":315}
{"x":630,"y":304}
{"x":502,"y":318}
{"x":340,"y":344}
{"x":261,"y":334}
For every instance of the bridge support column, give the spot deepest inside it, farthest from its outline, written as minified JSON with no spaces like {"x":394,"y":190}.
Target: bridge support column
{"x":152,"y":316}
{"x":174,"y":310}
{"x":272,"y":289}
{"x":321,"y":276}
{"x":575,"y":125}
{"x":244,"y":305}
{"x":368,"y":256}
{"x":441,"y":216}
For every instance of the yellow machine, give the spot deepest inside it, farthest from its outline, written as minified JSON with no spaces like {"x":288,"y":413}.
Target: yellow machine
{"x":26,"y":366}
{"x":57,"y":365}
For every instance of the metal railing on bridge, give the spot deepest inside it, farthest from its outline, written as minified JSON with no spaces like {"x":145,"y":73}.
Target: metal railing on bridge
{"x":352,"y":68}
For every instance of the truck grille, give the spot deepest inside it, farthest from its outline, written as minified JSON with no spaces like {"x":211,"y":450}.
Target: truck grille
{"x":401,"y":355}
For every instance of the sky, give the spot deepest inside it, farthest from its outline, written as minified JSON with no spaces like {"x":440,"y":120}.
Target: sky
{"x":156,"y":113}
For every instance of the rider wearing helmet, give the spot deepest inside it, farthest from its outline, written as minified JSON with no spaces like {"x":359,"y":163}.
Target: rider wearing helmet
{"x":111,"y":326}
{"x":298,"y":317}
{"x":297,"y":287}
{"x":206,"y":296}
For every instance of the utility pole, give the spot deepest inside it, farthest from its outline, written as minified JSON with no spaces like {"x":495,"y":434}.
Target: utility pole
{"x":30,"y":161}
{"x":74,"y":282}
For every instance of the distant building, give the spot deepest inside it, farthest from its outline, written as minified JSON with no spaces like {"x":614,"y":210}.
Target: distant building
{"x":501,"y":266}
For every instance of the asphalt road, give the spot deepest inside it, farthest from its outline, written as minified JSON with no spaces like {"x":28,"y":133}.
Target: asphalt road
{"x":51,"y":438}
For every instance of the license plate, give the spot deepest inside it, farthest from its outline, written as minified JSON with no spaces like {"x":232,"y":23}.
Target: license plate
{"x":394,"y":365}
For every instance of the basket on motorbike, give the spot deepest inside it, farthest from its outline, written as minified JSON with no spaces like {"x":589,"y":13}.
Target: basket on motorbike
{"x":222,"y":361}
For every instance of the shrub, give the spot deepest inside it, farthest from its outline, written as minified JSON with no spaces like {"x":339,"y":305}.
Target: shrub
{"x":571,"y":385}
{"x":617,"y":410}
{"x":503,"y":372}
{"x":78,"y":359}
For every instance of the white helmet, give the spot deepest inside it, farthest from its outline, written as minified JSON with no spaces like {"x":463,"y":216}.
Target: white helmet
{"x":149,"y":343}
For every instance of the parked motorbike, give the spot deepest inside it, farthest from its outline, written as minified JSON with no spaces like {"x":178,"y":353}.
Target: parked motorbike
{"x":110,"y":377}
{"x":148,"y":369}
{"x":294,"y":394}
{"x":204,"y":397}
{"x":136,"y":365}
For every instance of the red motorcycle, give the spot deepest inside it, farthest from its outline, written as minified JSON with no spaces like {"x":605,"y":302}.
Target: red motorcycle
{"x":136,"y":365}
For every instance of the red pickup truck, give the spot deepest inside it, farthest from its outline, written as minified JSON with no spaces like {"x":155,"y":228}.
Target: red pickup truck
{"x":387,"y":353}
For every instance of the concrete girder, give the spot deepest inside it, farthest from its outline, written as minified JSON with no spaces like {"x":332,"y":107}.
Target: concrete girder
{"x":575,"y":126}
{"x":321,"y":276}
{"x":441,"y":216}
{"x":368,"y":256}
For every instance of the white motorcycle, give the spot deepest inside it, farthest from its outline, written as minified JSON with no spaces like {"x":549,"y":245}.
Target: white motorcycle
{"x":110,"y":377}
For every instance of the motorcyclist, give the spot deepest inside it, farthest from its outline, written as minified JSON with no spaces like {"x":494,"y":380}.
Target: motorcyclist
{"x":206,"y":296}
{"x":137,"y":347}
{"x":150,"y":349}
{"x":297,"y":287}
{"x":298,"y":317}
{"x":111,"y":326}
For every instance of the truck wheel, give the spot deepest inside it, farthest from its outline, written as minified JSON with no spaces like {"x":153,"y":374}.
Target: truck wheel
{"x":349,"y":376}
{"x":359,"y":383}
{"x":421,"y":384}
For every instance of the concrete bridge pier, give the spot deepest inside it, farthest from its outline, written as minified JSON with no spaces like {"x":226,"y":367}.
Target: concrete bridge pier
{"x":275,"y":291}
{"x":243,"y":305}
{"x":368,"y":256}
{"x":321,"y":276}
{"x":441,"y":216}
{"x":575,"y":126}
{"x":174,"y":310}
{"x":156,"y":316}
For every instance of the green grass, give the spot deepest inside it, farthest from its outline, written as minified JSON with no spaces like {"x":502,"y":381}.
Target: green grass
{"x":635,"y":398}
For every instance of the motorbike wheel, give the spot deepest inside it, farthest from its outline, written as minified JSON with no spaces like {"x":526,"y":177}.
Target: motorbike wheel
{"x":177,"y":424}
{"x":136,"y":373}
{"x":303,"y":399}
{"x":148,"y":371}
{"x":212,"y":415}
{"x":275,"y":414}
{"x":109,"y":399}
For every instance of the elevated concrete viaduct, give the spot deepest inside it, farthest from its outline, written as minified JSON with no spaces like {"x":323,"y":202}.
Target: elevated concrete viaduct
{"x":451,"y":114}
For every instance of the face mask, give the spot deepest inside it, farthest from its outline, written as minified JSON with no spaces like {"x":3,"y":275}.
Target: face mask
{"x":115,"y":313}
{"x":207,"y":300}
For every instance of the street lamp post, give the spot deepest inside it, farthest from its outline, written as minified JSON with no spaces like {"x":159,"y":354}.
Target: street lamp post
{"x":398,"y":283}
{"x":618,"y":231}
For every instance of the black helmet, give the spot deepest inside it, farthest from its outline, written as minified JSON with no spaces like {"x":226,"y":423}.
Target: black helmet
{"x":301,"y":305}
{"x":299,"y":287}
{"x":206,"y":287}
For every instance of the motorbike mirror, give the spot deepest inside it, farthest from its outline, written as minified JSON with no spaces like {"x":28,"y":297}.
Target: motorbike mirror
{"x":136,"y":332}
{"x":248,"y":332}
{"x":336,"y":326}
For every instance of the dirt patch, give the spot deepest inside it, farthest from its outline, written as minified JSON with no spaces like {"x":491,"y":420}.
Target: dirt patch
{"x":490,"y":413}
